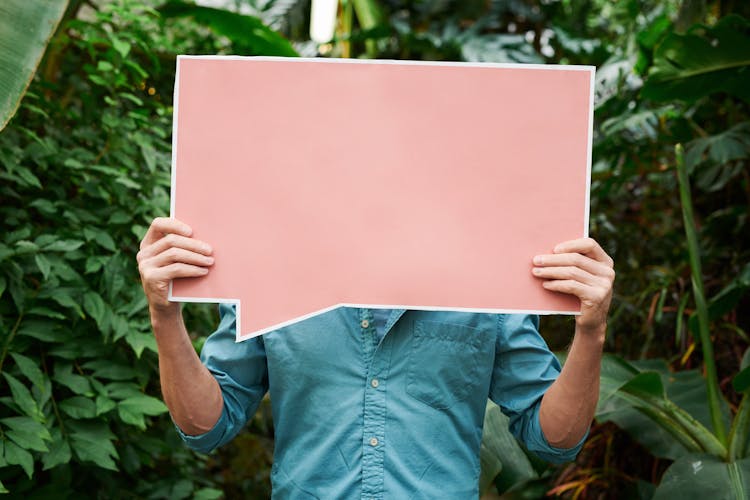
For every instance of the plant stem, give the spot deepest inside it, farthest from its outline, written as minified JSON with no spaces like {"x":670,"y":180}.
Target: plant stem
{"x":740,"y":428}
{"x":347,"y":16}
{"x":712,"y":380}
{"x":9,"y":340}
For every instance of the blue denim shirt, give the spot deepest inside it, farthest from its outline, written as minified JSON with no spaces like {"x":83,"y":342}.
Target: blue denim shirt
{"x":360,"y":416}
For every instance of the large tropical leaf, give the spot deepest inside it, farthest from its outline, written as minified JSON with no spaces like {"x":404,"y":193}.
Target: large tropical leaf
{"x":501,"y":453}
{"x":630,"y":392}
{"x":703,"y":61}
{"x":705,"y":476}
{"x":25,"y":29}
{"x":715,"y":160}
{"x":248,"y":34}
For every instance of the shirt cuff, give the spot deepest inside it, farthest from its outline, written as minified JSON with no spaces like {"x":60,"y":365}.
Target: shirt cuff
{"x":206,"y":442}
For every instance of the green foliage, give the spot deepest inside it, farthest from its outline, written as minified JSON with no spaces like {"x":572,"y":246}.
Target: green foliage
{"x":85,"y":168}
{"x":703,"y":61}
{"x":699,"y":476}
{"x":248,"y":34}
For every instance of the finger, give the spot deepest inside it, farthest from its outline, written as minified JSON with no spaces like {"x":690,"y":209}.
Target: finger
{"x":592,"y":295}
{"x":178,"y":255}
{"x":586,"y":246}
{"x":176,"y":270}
{"x":566,"y":273}
{"x":174,"y":241}
{"x":165,"y":225}
{"x":578,"y":260}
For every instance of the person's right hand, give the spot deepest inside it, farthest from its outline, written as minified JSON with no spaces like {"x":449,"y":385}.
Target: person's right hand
{"x":168,"y":251}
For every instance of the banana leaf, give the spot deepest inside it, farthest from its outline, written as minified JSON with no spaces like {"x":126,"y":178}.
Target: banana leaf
{"x":25,"y":30}
{"x":703,"y":61}
{"x":500,"y":452}
{"x":705,"y":476}
{"x":248,"y":34}
{"x":651,"y":384}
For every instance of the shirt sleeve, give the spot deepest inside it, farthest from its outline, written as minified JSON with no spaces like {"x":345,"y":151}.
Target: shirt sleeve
{"x":524,"y":369}
{"x":242,"y":374}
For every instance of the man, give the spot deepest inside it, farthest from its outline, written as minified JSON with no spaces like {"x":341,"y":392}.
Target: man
{"x":381,"y":404}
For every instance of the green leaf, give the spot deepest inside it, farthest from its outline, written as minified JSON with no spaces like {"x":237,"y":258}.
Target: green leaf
{"x":22,"y":397}
{"x":46,"y":331}
{"x":110,"y":370}
{"x":123,"y":390}
{"x":95,"y":263}
{"x":94,"y":305}
{"x":28,"y":177}
{"x":101,"y":237}
{"x":500,"y":452}
{"x":46,"y":312}
{"x":3,"y":489}
{"x":727,"y":146}
{"x":702,"y":61}
{"x":63,"y":246}
{"x":92,"y":441}
{"x":79,"y":407}
{"x":65,"y":299}
{"x":25,"y":29}
{"x":139,"y":341}
{"x":133,"y":409}
{"x":104,"y":66}
{"x":120,"y":326}
{"x":705,"y":476}
{"x":741,"y":381}
{"x":148,"y":405}
{"x":30,"y":370}
{"x":123,"y":48}
{"x":15,"y":455}
{"x":3,"y":285}
{"x":248,"y":34}
{"x":728,"y":298}
{"x":27,"y":433}
{"x":59,"y":452}
{"x":500,"y":48}
{"x":104,"y":404}
{"x":652,"y":418}
{"x":76,"y":383}
{"x":207,"y":494}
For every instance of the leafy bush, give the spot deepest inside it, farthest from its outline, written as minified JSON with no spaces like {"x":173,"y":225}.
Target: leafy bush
{"x":85,"y":169}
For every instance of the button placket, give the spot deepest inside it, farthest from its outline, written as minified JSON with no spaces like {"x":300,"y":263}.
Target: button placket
{"x":373,"y":438}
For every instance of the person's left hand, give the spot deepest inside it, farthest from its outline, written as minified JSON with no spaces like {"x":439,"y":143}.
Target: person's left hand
{"x":581,"y":268}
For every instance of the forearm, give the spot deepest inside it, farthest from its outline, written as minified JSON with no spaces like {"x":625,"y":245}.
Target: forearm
{"x":569,"y":404}
{"x":190,"y":391}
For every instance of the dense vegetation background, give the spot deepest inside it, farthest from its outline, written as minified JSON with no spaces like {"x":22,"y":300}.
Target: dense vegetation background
{"x":85,"y":167}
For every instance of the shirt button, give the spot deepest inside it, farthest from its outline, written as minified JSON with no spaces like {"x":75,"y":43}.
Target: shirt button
{"x":373,"y":441}
{"x":365,"y":323}
{"x":374,"y":382}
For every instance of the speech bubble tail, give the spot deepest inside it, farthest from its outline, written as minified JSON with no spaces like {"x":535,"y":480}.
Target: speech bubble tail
{"x":251,"y":327}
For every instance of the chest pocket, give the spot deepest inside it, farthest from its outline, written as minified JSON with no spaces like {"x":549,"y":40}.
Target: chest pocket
{"x":447,"y":362}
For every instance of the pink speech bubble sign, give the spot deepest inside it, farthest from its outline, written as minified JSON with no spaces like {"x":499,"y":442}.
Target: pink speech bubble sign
{"x":322,"y":183}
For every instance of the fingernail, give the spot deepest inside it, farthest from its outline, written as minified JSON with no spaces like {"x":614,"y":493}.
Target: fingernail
{"x":210,"y":260}
{"x":537,"y":260}
{"x":536,"y":270}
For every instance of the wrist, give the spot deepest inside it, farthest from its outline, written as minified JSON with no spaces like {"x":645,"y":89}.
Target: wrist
{"x":164,"y":315}
{"x":592,"y":333}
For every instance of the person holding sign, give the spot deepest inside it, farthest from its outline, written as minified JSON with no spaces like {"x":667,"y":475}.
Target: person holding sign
{"x":381,"y":403}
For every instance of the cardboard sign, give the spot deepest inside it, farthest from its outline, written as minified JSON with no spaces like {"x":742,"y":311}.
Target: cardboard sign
{"x":414,"y":185}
